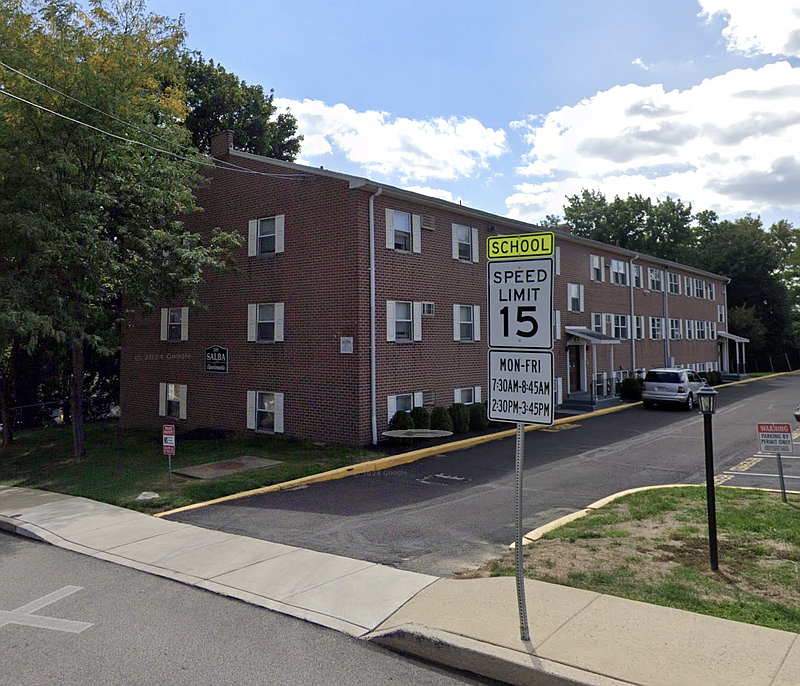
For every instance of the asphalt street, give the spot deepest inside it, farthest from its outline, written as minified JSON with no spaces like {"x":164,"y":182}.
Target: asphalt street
{"x":455,"y":510}
{"x":70,"y":619}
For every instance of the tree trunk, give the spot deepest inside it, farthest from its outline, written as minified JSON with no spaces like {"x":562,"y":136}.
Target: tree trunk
{"x":76,"y":399}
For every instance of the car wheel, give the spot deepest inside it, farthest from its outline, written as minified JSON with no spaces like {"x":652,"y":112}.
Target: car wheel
{"x":690,"y":403}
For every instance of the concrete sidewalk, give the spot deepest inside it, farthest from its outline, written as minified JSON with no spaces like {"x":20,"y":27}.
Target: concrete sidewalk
{"x":577,"y":637}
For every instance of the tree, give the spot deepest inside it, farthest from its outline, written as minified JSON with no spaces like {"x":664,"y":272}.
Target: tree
{"x":88,"y":220}
{"x":663,"y":230}
{"x":743,"y":251}
{"x":743,"y":321}
{"x":218,"y":100}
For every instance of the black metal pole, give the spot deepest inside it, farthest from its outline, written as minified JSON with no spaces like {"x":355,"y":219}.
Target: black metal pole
{"x":710,"y":496}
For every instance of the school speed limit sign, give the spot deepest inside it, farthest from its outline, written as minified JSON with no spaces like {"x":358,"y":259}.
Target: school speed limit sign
{"x":521,"y":303}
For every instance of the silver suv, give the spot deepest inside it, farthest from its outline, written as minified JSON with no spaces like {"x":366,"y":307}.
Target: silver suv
{"x":672,"y":386}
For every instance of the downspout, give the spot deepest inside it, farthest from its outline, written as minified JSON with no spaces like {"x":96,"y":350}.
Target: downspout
{"x":665,"y":328}
{"x":372,"y":354}
{"x":633,"y":319}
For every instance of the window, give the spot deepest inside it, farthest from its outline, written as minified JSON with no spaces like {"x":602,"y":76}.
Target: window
{"x":701,"y":366}
{"x":721,"y":314}
{"x":675,"y":329}
{"x":403,"y":231}
{"x":710,"y":290}
{"x":639,"y":326}
{"x":468,"y":395}
{"x":674,"y":283}
{"x":265,"y":236}
{"x":575,"y":297}
{"x":265,"y":411}
{"x":174,"y":324}
{"x":699,"y":290}
{"x":689,"y":329}
{"x":428,"y":309}
{"x":620,"y":326}
{"x":598,"y":323}
{"x":637,"y":276}
{"x":403,"y":321}
{"x":466,"y":323}
{"x":265,"y":322}
{"x":597,"y":272}
{"x":619,"y":272}
{"x":172,"y":400}
{"x":656,"y":328}
{"x":687,"y":285}
{"x":403,"y":402}
{"x":711,"y":331}
{"x":654,"y":279}
{"x":700,"y":330}
{"x":465,"y":243}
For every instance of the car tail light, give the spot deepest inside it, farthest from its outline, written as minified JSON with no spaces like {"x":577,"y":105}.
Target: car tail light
{"x":681,"y":389}
{"x":644,"y":388}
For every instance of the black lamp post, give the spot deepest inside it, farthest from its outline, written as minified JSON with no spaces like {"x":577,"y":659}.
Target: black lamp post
{"x":707,"y":398}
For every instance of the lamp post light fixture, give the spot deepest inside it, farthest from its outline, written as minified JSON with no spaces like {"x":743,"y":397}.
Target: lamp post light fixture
{"x":707,"y":399}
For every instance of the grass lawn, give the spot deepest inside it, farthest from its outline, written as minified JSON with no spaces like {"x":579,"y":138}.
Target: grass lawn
{"x":652,"y":546}
{"x":116,"y":472}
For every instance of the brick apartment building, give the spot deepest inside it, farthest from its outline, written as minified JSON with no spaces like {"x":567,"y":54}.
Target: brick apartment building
{"x":352,"y":299}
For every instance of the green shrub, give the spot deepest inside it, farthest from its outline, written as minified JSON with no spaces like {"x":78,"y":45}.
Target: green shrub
{"x":631,"y":388}
{"x":441,"y":419}
{"x":421,"y":417}
{"x":713,"y":378}
{"x":460,"y":414}
{"x":401,"y":420}
{"x":478,"y":418}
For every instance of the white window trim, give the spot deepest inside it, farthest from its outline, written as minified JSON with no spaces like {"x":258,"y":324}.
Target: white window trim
{"x":687,"y":286}
{"x":638,"y":327}
{"x":721,"y":314}
{"x":638,"y":276}
{"x":689,"y":330}
{"x":162,"y":400}
{"x":416,"y":321}
{"x":624,"y":273}
{"x":252,"y":322}
{"x":252,"y":398}
{"x":252,"y":235}
{"x":476,"y":323}
{"x":654,"y":275}
{"x":675,"y":332}
{"x":391,"y":403}
{"x":474,"y":249}
{"x":677,"y":290}
{"x":710,"y":291}
{"x":597,"y":262}
{"x":626,"y":318}
{"x":580,"y":297}
{"x":184,"y":323}
{"x":476,"y":394}
{"x":416,"y":231}
{"x":556,"y":325}
{"x":652,"y":321}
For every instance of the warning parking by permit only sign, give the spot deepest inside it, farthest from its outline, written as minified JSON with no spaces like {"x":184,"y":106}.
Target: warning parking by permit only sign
{"x":775,"y":438}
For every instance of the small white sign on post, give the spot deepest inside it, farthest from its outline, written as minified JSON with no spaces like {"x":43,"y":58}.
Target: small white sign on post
{"x":775,"y":438}
{"x":521,"y":386}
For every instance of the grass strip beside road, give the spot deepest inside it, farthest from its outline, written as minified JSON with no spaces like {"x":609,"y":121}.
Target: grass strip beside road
{"x":652,"y":546}
{"x":116,"y":472}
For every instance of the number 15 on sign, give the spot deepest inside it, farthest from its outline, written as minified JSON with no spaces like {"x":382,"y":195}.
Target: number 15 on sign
{"x":521,"y":304}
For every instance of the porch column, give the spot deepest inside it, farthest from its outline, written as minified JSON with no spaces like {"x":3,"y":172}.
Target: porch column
{"x":612,"y":378}
{"x":738,"y":363}
{"x":594,"y":373}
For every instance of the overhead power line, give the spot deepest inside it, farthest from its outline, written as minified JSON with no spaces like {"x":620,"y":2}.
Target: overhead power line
{"x":217,"y":164}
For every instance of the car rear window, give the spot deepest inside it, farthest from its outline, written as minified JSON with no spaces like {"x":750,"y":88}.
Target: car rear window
{"x":663,"y":377}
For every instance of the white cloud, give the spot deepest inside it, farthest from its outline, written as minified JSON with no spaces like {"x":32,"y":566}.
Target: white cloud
{"x":438,"y":148}
{"x":771,"y":27}
{"x":440,"y":193}
{"x":731,"y":144}
{"x":639,"y":63}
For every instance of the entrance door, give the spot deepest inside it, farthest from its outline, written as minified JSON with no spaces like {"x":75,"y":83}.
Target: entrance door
{"x":574,"y":361}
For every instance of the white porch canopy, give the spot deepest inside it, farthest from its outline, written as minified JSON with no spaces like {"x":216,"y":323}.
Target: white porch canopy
{"x":581,"y":335}
{"x":728,"y":338}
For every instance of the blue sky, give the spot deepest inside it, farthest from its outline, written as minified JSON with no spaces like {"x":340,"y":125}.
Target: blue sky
{"x":509,"y":106}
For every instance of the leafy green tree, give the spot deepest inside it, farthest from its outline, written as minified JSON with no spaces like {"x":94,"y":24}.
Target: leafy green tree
{"x":743,"y":251}
{"x":88,"y":220}
{"x":662,"y":230}
{"x":744,"y":321}
{"x":218,"y":100}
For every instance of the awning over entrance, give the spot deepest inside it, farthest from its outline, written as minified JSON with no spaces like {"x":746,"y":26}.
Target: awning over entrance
{"x":590,"y":336}
{"x":733,"y":337}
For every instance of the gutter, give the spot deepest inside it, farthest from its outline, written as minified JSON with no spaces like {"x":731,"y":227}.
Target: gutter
{"x":633,"y":315}
{"x":373,"y":383}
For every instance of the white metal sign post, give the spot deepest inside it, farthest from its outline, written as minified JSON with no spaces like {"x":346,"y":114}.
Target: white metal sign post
{"x":777,"y":439}
{"x":520,"y":290}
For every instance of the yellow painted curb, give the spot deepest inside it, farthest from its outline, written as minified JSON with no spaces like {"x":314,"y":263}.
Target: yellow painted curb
{"x":406,"y":458}
{"x":537,"y":533}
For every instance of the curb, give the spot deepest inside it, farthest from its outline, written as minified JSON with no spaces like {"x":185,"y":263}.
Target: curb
{"x":389,"y":462}
{"x":407,"y":458}
{"x":492,"y":661}
{"x":537,"y":533}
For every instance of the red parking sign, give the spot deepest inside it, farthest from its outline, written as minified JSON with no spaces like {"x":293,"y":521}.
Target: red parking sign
{"x":168,"y":438}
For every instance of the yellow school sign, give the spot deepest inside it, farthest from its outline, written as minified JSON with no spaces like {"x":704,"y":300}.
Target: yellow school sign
{"x":526,"y":245}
